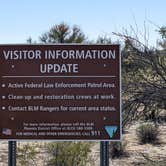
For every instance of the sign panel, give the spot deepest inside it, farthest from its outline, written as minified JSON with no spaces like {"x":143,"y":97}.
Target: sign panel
{"x":60,"y":92}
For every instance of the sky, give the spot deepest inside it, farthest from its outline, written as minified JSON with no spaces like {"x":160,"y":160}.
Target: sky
{"x":21,"y":19}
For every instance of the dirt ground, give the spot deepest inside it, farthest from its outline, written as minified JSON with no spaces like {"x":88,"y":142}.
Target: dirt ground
{"x":135,"y":152}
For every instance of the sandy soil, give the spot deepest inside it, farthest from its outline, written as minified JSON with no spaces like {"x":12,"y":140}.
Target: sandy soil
{"x":136,"y":151}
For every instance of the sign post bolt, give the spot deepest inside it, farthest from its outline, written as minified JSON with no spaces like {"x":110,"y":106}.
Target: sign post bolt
{"x":3,"y":85}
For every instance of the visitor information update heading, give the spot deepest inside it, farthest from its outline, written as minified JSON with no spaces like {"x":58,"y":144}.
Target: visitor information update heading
{"x":59,"y":54}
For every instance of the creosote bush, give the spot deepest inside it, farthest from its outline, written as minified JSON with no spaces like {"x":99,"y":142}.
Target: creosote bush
{"x":68,"y":153}
{"x":147,"y":133}
{"x":117,"y":149}
{"x":27,"y":155}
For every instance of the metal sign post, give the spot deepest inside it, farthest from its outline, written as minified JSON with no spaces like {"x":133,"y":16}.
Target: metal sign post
{"x":104,"y":153}
{"x":12,"y":153}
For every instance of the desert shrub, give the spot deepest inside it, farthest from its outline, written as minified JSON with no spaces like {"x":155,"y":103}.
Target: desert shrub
{"x":117,"y":149}
{"x":152,"y":115}
{"x":147,"y":133}
{"x":26,"y":155}
{"x":68,"y":153}
{"x":162,"y":117}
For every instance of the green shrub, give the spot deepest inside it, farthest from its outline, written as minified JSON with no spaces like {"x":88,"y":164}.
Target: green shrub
{"x":68,"y":153}
{"x":26,"y":155}
{"x":117,"y":149}
{"x":147,"y":133}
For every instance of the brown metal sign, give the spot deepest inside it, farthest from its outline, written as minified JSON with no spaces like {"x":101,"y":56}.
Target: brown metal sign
{"x":60,"y":92}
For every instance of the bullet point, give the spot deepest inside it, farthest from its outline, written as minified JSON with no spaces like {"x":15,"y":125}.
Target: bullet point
{"x":3,"y":108}
{"x":3,"y":85}
{"x":105,"y":65}
{"x":3,"y":97}
{"x":104,"y":118}
{"x":12,"y":118}
{"x":13,"y":66}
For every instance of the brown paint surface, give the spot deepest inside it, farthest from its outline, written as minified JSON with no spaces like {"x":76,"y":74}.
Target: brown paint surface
{"x":59,"y":124}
